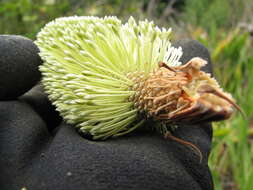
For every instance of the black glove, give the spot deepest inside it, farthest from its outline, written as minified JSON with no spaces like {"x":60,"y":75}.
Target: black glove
{"x":39,"y":151}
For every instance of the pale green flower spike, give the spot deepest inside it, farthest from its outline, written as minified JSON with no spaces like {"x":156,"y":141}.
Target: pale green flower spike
{"x":104,"y":78}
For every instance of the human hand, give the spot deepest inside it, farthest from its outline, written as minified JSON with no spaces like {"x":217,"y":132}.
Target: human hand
{"x":39,"y":151}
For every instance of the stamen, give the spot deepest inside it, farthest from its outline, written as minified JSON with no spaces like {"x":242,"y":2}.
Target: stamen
{"x":210,"y":89}
{"x":163,"y":106}
{"x":195,"y":63}
{"x":163,"y":80}
{"x":168,"y":135}
{"x":159,"y":86}
{"x":159,"y":98}
{"x":178,"y":78}
{"x":171,"y":114}
{"x":162,"y":64}
{"x":158,"y":79}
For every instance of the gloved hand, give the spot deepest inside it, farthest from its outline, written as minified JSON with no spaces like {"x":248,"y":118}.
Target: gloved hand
{"x":39,"y":151}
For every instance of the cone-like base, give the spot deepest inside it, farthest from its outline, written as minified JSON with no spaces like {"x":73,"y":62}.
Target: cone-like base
{"x":183,"y":94}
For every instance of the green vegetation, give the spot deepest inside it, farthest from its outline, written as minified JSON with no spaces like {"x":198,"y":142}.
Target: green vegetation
{"x":232,"y":156}
{"x":221,"y":25}
{"x":231,"y":160}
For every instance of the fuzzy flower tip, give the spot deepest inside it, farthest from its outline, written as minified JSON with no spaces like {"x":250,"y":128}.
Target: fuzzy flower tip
{"x":106,"y":78}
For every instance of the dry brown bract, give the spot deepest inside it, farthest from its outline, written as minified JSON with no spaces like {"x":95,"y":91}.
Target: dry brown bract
{"x":183,"y":94}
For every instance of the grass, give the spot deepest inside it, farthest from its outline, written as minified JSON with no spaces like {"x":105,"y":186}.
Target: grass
{"x":236,"y":171}
{"x":231,"y":159}
{"x":232,"y":155}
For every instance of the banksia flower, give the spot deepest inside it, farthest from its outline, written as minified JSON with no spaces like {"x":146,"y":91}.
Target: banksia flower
{"x":107,"y":78}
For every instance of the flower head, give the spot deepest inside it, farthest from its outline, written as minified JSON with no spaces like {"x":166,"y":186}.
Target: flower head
{"x":106,"y":78}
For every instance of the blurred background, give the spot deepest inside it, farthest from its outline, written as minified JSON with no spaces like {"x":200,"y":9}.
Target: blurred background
{"x":225,"y":27}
